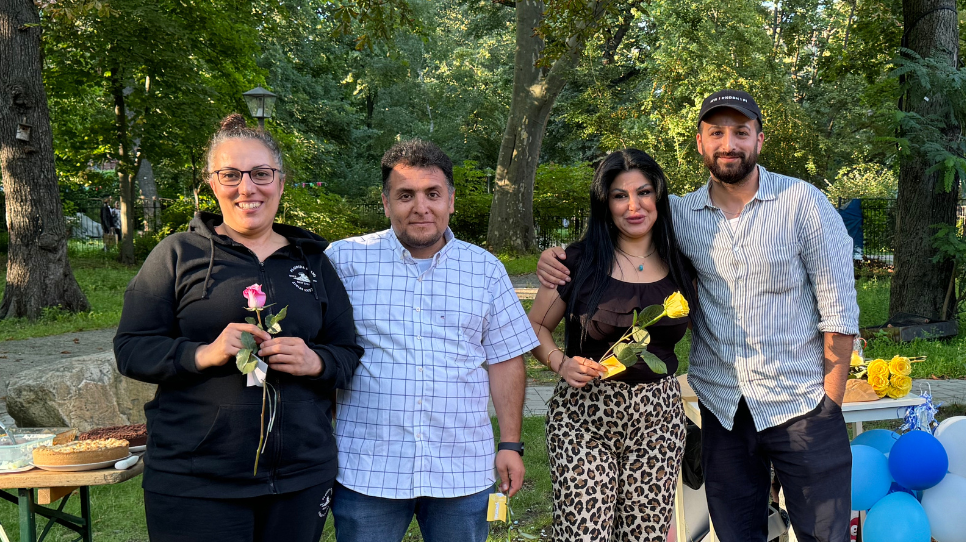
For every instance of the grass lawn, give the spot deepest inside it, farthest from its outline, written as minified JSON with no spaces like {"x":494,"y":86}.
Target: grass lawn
{"x":520,"y":265}
{"x":103,"y":281}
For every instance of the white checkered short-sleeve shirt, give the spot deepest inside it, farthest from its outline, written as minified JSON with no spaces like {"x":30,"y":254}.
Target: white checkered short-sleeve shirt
{"x":414,"y":420}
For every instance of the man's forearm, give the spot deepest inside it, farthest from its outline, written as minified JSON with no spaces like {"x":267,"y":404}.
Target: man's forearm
{"x":838,"y":354}
{"x":508,"y":382}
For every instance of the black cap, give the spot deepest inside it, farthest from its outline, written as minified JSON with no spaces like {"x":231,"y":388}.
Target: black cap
{"x":738,"y":100}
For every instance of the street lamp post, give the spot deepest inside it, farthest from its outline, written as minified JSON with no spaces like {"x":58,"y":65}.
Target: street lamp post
{"x":261,"y":103}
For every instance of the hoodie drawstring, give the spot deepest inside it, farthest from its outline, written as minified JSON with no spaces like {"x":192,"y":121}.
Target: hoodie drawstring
{"x":211,"y":263}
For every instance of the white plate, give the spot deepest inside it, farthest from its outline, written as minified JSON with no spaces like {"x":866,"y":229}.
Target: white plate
{"x":136,"y":449}
{"x":24,"y":468}
{"x":86,"y":466}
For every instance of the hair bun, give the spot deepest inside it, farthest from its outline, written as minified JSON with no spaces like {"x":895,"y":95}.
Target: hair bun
{"x":235,"y":121}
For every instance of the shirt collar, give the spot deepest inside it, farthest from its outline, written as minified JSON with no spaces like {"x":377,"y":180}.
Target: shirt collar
{"x":766,"y":191}
{"x":404,"y":254}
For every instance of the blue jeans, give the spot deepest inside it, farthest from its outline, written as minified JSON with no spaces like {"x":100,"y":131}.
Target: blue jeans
{"x":361,"y":518}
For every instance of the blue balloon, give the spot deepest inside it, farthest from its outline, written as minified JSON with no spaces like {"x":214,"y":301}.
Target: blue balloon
{"x":870,"y":476}
{"x":897,"y":517}
{"x":880,"y":439}
{"x":896,"y":487}
{"x":918,"y":460}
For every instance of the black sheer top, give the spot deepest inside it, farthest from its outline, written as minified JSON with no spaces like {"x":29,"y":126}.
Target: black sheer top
{"x":615,"y":314}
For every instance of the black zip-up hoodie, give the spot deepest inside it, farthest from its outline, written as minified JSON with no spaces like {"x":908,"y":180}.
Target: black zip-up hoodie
{"x":203,"y":426}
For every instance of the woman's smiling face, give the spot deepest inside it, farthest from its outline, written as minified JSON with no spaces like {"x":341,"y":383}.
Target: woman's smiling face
{"x":633,"y":204}
{"x":247,"y":208}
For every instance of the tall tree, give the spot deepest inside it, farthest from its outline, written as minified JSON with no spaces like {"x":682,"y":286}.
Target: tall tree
{"x":927,"y":194}
{"x":538,"y":79}
{"x":38,"y":271}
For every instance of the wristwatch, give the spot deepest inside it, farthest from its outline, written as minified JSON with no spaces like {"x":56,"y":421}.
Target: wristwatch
{"x":515,"y":446}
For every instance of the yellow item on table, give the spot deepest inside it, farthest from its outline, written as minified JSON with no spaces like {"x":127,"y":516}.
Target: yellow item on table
{"x":856,"y":359}
{"x":613,"y":366}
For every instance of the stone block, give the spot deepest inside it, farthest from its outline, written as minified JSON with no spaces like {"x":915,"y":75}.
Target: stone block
{"x":83,"y":392}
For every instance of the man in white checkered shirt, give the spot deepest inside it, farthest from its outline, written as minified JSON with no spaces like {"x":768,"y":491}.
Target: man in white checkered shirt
{"x":443,"y":330}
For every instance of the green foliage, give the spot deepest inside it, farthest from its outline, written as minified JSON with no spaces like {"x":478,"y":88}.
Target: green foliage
{"x":472,"y":203}
{"x":325,"y":214}
{"x":562,"y":191}
{"x":863,"y":180}
{"x":928,"y":137}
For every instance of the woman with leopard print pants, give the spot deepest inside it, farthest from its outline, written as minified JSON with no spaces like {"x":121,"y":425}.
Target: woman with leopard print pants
{"x":615,"y":445}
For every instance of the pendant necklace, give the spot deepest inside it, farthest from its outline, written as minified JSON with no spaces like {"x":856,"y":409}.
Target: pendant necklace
{"x":641,"y":266}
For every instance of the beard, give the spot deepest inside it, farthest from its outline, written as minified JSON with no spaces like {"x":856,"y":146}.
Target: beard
{"x":412,"y":240}
{"x":733,"y":174}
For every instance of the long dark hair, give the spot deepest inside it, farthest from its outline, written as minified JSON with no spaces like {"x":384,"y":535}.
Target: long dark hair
{"x":599,"y":242}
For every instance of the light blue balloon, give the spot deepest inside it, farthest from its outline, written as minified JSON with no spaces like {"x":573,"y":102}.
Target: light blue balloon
{"x":870,"y":476}
{"x":880,"y":439}
{"x":897,"y":517}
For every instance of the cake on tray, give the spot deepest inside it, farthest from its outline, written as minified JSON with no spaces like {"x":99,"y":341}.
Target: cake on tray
{"x":136,"y":435}
{"x":81,"y":452}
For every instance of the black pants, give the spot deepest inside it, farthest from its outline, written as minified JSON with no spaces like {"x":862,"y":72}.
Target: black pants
{"x":811,"y":457}
{"x":290,"y":517}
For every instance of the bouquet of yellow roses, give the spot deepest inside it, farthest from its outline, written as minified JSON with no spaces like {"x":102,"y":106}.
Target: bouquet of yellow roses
{"x":887,"y":378}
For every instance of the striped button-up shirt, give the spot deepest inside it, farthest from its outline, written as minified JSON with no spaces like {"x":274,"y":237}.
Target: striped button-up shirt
{"x":414,"y":420}
{"x":769,"y":286}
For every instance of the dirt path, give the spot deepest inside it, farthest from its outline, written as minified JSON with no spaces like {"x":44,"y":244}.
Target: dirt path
{"x":16,"y":356}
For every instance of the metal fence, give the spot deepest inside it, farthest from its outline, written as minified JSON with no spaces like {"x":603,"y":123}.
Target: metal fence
{"x":554,"y":231}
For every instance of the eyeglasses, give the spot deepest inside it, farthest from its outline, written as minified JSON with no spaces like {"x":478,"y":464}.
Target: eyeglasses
{"x":233,"y":177}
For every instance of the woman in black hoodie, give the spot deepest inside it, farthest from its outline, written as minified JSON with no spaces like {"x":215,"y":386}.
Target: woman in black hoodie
{"x":181,"y":328}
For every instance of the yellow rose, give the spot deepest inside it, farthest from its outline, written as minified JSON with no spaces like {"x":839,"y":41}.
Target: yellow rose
{"x":878,"y":382}
{"x":675,"y":306}
{"x":900,"y":366}
{"x":882,"y":392}
{"x":879,"y":367}
{"x":856,"y":360}
{"x":897,"y":393}
{"x":901,"y":385}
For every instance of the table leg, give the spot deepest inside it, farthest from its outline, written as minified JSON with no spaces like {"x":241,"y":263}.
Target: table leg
{"x":87,"y":529}
{"x":28,"y":524}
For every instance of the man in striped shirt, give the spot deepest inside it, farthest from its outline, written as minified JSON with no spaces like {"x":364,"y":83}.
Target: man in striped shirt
{"x":772,"y":334}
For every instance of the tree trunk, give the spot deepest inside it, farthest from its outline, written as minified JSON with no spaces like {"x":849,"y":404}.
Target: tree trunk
{"x":123,"y":169}
{"x":38,"y":271}
{"x":919,"y":286}
{"x":149,"y":194}
{"x":534,"y":91}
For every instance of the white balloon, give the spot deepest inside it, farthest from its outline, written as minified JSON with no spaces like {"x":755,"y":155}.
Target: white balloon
{"x":952,"y":434}
{"x":944,"y":504}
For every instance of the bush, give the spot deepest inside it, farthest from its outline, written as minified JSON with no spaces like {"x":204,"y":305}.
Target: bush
{"x":319,"y":212}
{"x":863,"y":181}
{"x":472,"y":216}
{"x":562,"y":191}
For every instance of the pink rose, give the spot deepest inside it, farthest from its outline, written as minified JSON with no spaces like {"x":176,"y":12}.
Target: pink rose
{"x":255,"y":296}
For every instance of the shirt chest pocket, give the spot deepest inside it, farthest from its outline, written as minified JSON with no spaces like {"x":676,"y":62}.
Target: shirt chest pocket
{"x":455,"y":327}
{"x":775,"y":267}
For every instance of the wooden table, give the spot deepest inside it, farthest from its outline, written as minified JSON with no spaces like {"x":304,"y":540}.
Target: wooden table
{"x":53,"y":486}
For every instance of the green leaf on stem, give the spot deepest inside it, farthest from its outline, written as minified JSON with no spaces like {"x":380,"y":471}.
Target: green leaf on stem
{"x":251,"y":320}
{"x":273,"y":326}
{"x":641,"y":336}
{"x":654,"y":362}
{"x":625,"y":354}
{"x":245,"y":361}
{"x":648,"y":315}
{"x":248,"y":341}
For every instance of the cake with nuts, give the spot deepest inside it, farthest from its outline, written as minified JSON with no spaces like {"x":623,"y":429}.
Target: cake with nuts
{"x":81,"y":452}
{"x":135,"y":435}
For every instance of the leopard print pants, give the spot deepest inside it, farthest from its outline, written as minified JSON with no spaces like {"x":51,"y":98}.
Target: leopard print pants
{"x":615,"y":452}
